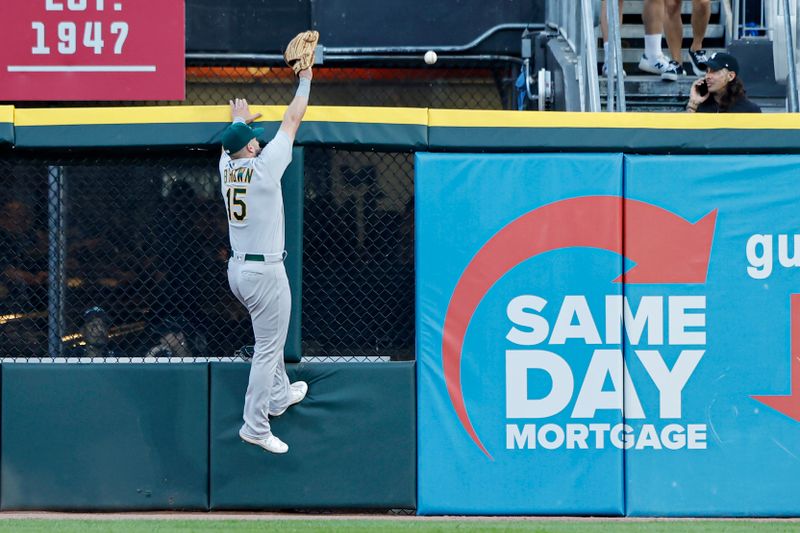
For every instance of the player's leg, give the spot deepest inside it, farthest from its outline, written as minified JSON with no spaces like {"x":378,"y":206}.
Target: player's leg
{"x":280,"y":396}
{"x":257,"y":286}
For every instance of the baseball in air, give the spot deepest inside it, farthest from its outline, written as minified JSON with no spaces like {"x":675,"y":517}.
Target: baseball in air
{"x":430,"y":57}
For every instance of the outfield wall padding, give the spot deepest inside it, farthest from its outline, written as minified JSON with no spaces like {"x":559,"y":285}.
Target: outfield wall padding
{"x":6,"y":124}
{"x":104,"y":437}
{"x":351,"y":441}
{"x":176,"y":126}
{"x":499,"y":131}
{"x":481,"y":390}
{"x":745,"y":390}
{"x":415,"y":129}
{"x":532,"y":397}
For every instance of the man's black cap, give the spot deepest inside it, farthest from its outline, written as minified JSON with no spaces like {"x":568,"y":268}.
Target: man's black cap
{"x":720,"y":60}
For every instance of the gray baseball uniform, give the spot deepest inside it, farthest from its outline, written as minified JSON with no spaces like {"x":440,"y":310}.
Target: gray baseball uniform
{"x":251,"y":188}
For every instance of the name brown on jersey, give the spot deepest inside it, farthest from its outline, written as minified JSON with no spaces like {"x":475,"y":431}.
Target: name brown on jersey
{"x":238,"y":175}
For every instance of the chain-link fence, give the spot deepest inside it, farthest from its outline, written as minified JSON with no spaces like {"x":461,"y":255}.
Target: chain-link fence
{"x":358,"y":263}
{"x":120,"y":256}
{"x":463,"y":85}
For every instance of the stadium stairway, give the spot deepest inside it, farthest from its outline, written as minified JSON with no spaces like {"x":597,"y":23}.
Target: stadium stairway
{"x":647,"y":92}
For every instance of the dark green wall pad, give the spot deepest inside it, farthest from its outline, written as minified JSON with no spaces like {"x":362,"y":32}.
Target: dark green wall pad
{"x":104,"y":437}
{"x":124,"y":135}
{"x":6,"y":133}
{"x":352,"y":441}
{"x":293,"y":197}
{"x":369,"y":135}
{"x":628,"y":140}
{"x":365,"y":135}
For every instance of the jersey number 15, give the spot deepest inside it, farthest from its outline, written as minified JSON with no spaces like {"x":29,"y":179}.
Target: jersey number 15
{"x":237,"y":208}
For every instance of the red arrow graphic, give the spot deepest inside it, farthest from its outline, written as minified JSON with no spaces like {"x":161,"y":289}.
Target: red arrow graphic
{"x":790,"y":405}
{"x":666,"y":248}
{"x":589,"y":221}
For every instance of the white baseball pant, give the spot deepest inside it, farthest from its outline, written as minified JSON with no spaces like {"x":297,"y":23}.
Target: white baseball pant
{"x":263,"y":288}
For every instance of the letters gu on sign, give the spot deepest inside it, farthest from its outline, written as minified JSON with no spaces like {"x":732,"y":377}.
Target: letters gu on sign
{"x":92,"y":50}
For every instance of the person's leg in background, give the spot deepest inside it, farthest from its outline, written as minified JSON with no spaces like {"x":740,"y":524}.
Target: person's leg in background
{"x":604,"y":30}
{"x":701,"y":14}
{"x":653,"y":60}
{"x":673,"y":31}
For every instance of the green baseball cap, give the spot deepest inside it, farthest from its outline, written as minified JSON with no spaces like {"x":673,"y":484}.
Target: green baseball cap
{"x":237,"y":135}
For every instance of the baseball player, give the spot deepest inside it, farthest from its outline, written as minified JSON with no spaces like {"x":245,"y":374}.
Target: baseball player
{"x":251,"y":188}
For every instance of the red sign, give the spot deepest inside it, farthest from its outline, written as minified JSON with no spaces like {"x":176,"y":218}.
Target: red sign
{"x":92,"y":50}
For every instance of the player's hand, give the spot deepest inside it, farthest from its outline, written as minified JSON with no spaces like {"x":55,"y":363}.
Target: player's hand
{"x":240,"y":109}
{"x":305,"y":73}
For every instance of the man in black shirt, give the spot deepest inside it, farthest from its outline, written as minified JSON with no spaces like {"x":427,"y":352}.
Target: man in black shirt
{"x":720,"y":90}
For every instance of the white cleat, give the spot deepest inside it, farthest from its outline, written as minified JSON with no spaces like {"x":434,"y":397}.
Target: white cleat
{"x":297,"y":391}
{"x":271,"y":444}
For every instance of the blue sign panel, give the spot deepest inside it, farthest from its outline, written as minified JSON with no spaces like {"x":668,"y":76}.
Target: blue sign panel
{"x":520,"y":364}
{"x":714,"y":357}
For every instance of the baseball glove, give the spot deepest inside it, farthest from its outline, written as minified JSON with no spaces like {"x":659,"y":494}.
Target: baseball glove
{"x":299,"y":52}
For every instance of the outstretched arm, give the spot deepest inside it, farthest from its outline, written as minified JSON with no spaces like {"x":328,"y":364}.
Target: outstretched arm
{"x":297,"y":108}
{"x":240,"y":112}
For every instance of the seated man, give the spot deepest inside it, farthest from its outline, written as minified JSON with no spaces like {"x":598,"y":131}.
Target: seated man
{"x":720,"y":90}
{"x":174,"y":339}
{"x":96,"y":338}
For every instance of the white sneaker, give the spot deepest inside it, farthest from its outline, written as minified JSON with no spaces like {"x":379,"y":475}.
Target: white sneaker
{"x":297,"y":391}
{"x":605,"y":71}
{"x":271,"y":444}
{"x":658,"y":65}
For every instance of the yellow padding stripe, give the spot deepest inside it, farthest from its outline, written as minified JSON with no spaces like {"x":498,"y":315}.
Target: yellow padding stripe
{"x":130,"y":115}
{"x":659,"y":121}
{"x":6,"y":113}
{"x":410,"y":116}
{"x":368,"y":115}
{"x":200,"y":114}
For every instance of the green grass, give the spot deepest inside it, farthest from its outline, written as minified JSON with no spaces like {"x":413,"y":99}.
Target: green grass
{"x":401,"y":526}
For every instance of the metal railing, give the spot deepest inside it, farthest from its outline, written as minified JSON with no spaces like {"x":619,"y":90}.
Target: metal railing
{"x":577,"y":28}
{"x":745,"y":26}
{"x":615,"y":72}
{"x":360,"y":54}
{"x":776,"y":21}
{"x":789,"y":32}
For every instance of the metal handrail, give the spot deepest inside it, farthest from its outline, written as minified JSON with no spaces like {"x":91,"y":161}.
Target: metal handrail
{"x":577,"y":30}
{"x":792,"y":97}
{"x":342,"y":53}
{"x":787,"y":26}
{"x":589,"y":45}
{"x":615,"y":71}
{"x":274,"y":59}
{"x":416,"y":49}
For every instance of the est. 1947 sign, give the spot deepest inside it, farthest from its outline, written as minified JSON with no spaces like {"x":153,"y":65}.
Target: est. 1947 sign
{"x":92,"y":50}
